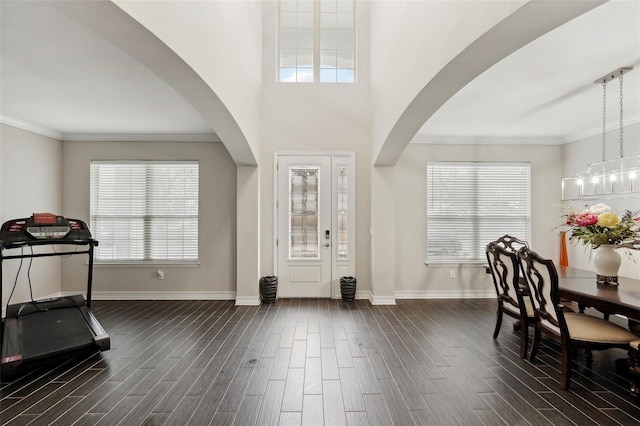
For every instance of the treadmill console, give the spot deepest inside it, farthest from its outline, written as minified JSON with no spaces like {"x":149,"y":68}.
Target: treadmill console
{"x":46,"y":227}
{"x":43,"y":226}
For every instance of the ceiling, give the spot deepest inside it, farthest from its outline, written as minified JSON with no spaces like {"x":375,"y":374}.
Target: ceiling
{"x":545,"y":91}
{"x":64,"y":79}
{"x":60,"y":75}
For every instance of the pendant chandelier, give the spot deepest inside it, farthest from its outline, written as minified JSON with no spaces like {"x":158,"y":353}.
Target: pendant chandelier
{"x":616,"y":178}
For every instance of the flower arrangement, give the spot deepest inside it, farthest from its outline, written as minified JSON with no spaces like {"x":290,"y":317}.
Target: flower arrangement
{"x":597,"y":225}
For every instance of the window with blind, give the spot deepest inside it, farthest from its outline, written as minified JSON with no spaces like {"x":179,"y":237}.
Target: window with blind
{"x":471,"y":204}
{"x":316,"y":41}
{"x":145,"y":211}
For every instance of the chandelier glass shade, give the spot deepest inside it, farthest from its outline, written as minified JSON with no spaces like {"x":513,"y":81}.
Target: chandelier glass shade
{"x":616,"y":178}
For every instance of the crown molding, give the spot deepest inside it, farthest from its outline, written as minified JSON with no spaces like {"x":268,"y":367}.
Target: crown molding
{"x":501,"y":140}
{"x":30,"y":127}
{"x":484,"y":140}
{"x":108,"y":137}
{"x":598,"y":131}
{"x":140,"y":137}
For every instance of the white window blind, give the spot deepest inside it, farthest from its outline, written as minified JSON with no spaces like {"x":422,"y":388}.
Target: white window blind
{"x":472,"y":204}
{"x":145,"y":211}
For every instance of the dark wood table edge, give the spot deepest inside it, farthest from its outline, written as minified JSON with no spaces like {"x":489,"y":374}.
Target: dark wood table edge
{"x":608,"y":306}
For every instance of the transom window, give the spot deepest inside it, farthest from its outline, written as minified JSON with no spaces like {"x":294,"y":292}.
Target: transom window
{"x":316,"y":41}
{"x":471,"y":204}
{"x":145,"y":211}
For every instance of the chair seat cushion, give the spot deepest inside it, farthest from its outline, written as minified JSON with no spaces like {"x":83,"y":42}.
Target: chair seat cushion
{"x":587,"y":328}
{"x":527,"y":304}
{"x":635,"y":344}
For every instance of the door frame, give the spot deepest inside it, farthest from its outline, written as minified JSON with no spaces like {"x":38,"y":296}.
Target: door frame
{"x":339,"y":267}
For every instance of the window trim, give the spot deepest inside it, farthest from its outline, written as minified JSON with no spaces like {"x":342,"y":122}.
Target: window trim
{"x":317,"y":51}
{"x":481,"y":260}
{"x":193,"y":262}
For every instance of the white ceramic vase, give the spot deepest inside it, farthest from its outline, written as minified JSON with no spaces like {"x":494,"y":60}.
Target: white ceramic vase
{"x":607,"y":262}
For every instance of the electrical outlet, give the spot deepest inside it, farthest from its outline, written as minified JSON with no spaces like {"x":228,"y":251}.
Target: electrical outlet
{"x":160,"y":274}
{"x":452,"y":274}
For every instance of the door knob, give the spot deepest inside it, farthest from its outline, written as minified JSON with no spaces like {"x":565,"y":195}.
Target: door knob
{"x":327,"y":244}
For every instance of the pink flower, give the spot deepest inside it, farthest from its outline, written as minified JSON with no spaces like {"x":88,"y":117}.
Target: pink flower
{"x":587,"y":219}
{"x":571,"y":219}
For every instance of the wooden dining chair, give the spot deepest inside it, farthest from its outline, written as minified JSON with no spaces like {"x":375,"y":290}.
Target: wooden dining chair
{"x":512,"y":299}
{"x":511,"y":243}
{"x":573,"y":330}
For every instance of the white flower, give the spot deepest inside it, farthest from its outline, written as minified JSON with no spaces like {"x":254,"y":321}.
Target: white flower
{"x":599,"y":208}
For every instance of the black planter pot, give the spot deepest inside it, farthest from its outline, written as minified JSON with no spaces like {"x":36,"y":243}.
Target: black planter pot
{"x":268,"y":289}
{"x":348,"y":289}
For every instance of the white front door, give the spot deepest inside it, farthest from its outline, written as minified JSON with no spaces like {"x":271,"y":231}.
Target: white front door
{"x":315,"y":223}
{"x":304,"y":226}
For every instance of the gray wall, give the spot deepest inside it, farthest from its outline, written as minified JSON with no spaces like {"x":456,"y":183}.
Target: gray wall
{"x":415,"y":279}
{"x":30,"y":181}
{"x":39,"y":173}
{"x":214,"y":277}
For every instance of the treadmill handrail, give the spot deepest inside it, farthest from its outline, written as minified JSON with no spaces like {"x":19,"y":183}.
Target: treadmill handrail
{"x":91,"y":243}
{"x":5,"y":245}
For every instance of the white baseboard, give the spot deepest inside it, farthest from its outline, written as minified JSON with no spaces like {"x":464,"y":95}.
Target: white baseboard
{"x":382,"y":300}
{"x":442,"y":294}
{"x":255,"y":301}
{"x":163,"y":295}
{"x":359,"y":295}
{"x":248,"y":301}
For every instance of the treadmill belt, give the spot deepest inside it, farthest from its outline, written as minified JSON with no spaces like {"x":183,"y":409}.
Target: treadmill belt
{"x":56,"y":330}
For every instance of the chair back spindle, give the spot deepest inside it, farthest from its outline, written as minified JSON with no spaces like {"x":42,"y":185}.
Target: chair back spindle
{"x":542,"y":280}
{"x":504,"y":268}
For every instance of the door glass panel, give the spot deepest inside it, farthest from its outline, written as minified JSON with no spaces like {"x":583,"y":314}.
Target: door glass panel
{"x":304,"y":213}
{"x":342,"y":212}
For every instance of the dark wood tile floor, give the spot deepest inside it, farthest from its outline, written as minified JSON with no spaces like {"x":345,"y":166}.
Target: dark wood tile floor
{"x":300,"y":361}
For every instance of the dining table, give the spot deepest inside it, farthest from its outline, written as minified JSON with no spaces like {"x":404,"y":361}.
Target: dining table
{"x":580,"y":286}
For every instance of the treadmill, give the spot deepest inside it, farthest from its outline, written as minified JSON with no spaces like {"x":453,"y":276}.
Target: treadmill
{"x":38,"y":331}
